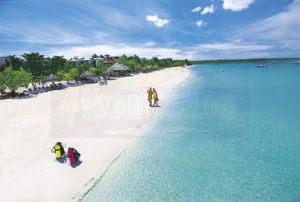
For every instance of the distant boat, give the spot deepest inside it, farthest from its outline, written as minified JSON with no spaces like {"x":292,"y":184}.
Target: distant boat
{"x":261,"y":66}
{"x":296,"y":63}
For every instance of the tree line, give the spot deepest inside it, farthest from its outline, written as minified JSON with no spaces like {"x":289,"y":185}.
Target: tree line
{"x":33,"y":67}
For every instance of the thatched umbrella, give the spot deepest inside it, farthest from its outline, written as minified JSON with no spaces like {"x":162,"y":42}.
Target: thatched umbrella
{"x":51,"y":78}
{"x":88,"y":75}
{"x":118,"y":67}
{"x":146,"y":69}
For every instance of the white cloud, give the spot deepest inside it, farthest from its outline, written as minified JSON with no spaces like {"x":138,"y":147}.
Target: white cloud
{"x":281,"y":29}
{"x":118,"y":18}
{"x":228,"y":50}
{"x":45,"y":34}
{"x":201,"y":51}
{"x":237,"y":5}
{"x":149,"y":44}
{"x":200,"y":23}
{"x":155,"y":20}
{"x":118,"y":49}
{"x":196,"y":10}
{"x":51,"y":36}
{"x":208,"y":9}
{"x":233,"y":47}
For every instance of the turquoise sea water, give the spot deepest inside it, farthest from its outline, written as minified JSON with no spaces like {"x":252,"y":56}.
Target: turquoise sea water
{"x":230,"y":133}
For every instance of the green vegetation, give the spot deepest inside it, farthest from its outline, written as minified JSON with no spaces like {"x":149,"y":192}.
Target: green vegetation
{"x":136,"y":63}
{"x":240,"y":60}
{"x":33,"y":67}
{"x":14,"y":79}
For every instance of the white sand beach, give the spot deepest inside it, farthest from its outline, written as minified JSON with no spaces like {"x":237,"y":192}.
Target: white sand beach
{"x":99,"y":121}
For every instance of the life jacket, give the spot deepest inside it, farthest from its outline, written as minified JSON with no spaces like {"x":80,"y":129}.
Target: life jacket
{"x":57,"y":151}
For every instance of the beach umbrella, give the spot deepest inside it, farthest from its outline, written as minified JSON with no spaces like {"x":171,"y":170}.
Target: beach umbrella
{"x":118,"y":67}
{"x":88,"y":75}
{"x":51,"y":78}
{"x":146,"y":69}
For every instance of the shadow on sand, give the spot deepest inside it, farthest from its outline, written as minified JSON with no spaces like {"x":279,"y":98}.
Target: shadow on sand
{"x":62,"y":159}
{"x":76,"y":164}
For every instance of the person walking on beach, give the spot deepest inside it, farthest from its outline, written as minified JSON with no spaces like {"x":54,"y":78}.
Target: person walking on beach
{"x":154,"y":97}
{"x":150,"y":92}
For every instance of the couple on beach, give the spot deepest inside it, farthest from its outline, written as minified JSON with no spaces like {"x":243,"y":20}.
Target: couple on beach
{"x":61,"y":155}
{"x":152,"y":95}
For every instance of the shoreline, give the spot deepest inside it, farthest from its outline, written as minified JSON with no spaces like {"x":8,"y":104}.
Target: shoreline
{"x":101,"y":173}
{"x":140,"y":130}
{"x":69,"y":116}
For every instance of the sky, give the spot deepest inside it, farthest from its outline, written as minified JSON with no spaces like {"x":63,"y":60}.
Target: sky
{"x":192,"y":29}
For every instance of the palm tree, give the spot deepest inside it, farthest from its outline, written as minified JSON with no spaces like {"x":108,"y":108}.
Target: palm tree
{"x":106,"y":58}
{"x":94,"y":59}
{"x":76,"y":59}
{"x":14,"y":62}
{"x":34,"y":63}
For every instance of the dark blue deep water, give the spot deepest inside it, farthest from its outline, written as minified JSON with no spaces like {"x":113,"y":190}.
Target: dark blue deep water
{"x":231,"y":132}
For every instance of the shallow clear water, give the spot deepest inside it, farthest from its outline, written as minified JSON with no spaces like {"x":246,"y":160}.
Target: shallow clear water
{"x":231,"y":133}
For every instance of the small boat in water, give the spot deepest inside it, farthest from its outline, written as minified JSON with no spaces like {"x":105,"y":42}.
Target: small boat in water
{"x":262,"y":66}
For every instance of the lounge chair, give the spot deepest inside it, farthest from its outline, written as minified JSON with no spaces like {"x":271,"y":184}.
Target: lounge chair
{"x":26,"y":91}
{"x":70,"y":83}
{"x":61,"y":86}
{"x":57,"y":87}
{"x":40,"y":89}
{"x":30,"y":91}
{"x":78,"y":83}
{"x":36,"y":90}
{"x":44,"y":89}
